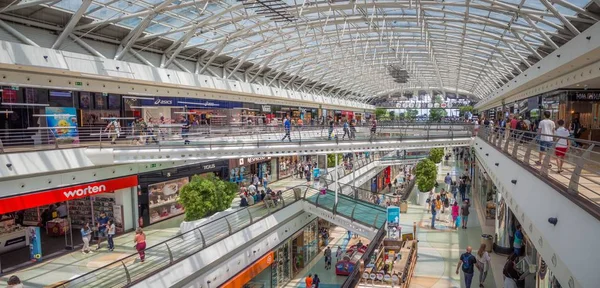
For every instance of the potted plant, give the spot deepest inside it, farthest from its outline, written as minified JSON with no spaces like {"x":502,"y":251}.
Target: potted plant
{"x":436,"y":155}
{"x":426,"y":173}
{"x":205,"y":198}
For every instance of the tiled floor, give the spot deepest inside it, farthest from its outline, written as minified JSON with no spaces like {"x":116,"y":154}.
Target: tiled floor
{"x":317,"y":266}
{"x":439,"y":249}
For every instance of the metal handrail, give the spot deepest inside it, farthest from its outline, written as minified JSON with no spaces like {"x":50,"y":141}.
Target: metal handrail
{"x":180,"y":247}
{"x":580,"y":177}
{"x":41,"y":138}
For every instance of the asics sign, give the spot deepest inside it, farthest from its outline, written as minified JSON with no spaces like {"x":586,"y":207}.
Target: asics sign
{"x":36,"y":199}
{"x":85,"y":191}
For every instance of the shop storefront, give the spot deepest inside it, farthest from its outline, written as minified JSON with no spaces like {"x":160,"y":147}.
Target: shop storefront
{"x":159,"y":190}
{"x":242,"y":169}
{"x":286,"y":166}
{"x":279,"y":266}
{"x":61,"y":213}
{"x":294,"y":254}
{"x":170,"y":110}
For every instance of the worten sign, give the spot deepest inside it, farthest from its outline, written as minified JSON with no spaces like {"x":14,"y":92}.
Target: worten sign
{"x":33,"y":200}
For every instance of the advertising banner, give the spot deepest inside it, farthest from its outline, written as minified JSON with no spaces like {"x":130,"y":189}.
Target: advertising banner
{"x":393,"y":222}
{"x":163,"y":198}
{"x":35,"y":244}
{"x":118,"y":216}
{"x":63,"y":121}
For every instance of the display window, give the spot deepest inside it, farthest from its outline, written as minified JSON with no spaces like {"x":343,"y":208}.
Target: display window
{"x":286,"y":166}
{"x":159,"y":190}
{"x":163,"y":199}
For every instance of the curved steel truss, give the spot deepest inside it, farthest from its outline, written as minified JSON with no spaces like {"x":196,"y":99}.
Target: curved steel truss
{"x":349,"y":49}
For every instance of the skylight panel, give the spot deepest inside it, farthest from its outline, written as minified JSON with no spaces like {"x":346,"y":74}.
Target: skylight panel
{"x":106,"y":13}
{"x":157,"y":28}
{"x":69,"y":5}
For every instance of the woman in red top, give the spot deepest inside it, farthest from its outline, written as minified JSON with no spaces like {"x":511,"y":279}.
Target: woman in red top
{"x":140,"y":243}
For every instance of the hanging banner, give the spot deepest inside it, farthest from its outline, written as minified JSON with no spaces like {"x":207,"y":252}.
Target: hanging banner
{"x":35,"y":244}
{"x":63,"y":121}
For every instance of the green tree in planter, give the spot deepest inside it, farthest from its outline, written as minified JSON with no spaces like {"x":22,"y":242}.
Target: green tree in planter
{"x":436,"y":155}
{"x":331,"y":160}
{"x":206,"y":195}
{"x":381,"y":113}
{"x":426,"y":173}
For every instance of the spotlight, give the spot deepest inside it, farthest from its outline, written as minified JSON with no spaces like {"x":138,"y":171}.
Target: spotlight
{"x":553,"y":220}
{"x":513,"y":181}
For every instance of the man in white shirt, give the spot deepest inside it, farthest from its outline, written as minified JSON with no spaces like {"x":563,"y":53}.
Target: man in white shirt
{"x":546,"y":130}
{"x":562,"y":145}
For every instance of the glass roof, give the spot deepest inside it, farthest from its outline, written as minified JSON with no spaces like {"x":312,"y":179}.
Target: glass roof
{"x":471,"y":46}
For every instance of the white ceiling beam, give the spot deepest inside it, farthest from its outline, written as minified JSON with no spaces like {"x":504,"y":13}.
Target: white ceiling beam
{"x":71,"y":24}
{"x":560,"y":17}
{"x":17,"y":34}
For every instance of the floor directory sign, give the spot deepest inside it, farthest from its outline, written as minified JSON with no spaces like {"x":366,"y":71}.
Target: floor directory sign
{"x":393,"y":221}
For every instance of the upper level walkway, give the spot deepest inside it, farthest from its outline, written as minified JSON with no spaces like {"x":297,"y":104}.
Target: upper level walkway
{"x":393,"y":137}
{"x":538,"y":193}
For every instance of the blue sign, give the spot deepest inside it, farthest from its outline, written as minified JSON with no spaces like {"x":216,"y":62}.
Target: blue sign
{"x":393,"y":216}
{"x":35,"y":243}
{"x":191,"y":103}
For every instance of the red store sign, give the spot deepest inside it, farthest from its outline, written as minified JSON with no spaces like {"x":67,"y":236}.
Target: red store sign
{"x":33,"y":200}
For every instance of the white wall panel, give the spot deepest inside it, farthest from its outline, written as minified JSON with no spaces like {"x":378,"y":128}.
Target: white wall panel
{"x":238,"y":86}
{"x":251,"y":238}
{"x":571,"y":247}
{"x":34,"y":56}
{"x":143,"y":72}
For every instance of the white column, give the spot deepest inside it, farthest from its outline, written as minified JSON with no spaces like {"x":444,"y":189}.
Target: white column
{"x":124,"y":198}
{"x":337,"y":184}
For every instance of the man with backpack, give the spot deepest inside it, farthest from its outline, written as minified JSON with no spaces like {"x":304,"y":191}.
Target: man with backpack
{"x":467,"y":261}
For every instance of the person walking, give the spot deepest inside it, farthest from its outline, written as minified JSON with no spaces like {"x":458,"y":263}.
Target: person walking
{"x":308,"y":281}
{"x":316,"y":281}
{"x":287,"y":125}
{"x":467,"y":262}
{"x":483,"y":263}
{"x":448,"y":181}
{"x":518,"y":241}
{"x":86,"y":236}
{"x":140,"y":243}
{"x":111,"y":234}
{"x":101,"y":223}
{"x":346,"y":130}
{"x":339,"y":253}
{"x":331,"y":124}
{"x":455,"y":209}
{"x":265,"y":180}
{"x":465,"y":214}
{"x":562,"y":145}
{"x":373,"y":128}
{"x":510,"y":272}
{"x":327,"y":258}
{"x":185,"y":130}
{"x":438,"y":206}
{"x":545,"y":132}
{"x":433,"y":213}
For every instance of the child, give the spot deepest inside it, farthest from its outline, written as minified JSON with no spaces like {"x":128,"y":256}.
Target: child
{"x":455,"y":210}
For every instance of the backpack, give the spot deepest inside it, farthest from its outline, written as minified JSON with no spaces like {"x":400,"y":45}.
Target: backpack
{"x":467,"y":263}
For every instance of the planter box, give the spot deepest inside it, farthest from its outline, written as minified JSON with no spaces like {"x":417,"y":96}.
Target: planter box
{"x":185,"y":226}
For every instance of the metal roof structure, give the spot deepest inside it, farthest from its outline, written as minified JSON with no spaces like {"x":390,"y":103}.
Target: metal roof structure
{"x":349,"y":49}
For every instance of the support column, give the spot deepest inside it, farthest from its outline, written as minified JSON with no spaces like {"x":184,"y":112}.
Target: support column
{"x":354,"y":161}
{"x":337,"y":183}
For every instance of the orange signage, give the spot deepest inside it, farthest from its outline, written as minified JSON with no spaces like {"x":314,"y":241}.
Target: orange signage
{"x":249,"y":273}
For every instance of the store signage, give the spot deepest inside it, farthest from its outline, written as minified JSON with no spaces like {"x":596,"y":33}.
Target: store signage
{"x":249,"y":273}
{"x":251,"y":160}
{"x":33,"y":200}
{"x":163,"y":102}
{"x":587,"y":96}
{"x":266,"y":108}
{"x":209,"y":166}
{"x":191,"y":103}
{"x":82,"y":192}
